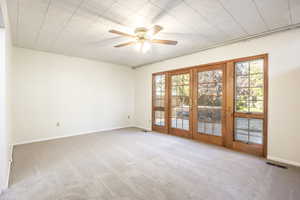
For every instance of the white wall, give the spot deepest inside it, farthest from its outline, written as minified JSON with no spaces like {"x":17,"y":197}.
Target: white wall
{"x":82,"y":95}
{"x":284,"y":83}
{"x":5,"y":133}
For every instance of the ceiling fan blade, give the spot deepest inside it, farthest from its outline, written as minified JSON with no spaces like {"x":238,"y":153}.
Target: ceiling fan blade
{"x":155,"y":29}
{"x":121,"y":33}
{"x":169,"y":42}
{"x":125,"y":44}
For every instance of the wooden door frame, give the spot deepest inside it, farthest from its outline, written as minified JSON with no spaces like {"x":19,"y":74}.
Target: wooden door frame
{"x":218,"y":140}
{"x":229,"y":89}
{"x":176,"y":131}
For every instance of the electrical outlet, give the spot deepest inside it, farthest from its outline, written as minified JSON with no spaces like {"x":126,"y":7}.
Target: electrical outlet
{"x":57,"y":124}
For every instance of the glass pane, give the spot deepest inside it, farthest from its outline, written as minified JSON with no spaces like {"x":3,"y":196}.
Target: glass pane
{"x":174,"y":101}
{"x":255,"y":140}
{"x":174,"y":91}
{"x":249,"y":86}
{"x":186,"y":112}
{"x":205,"y":77}
{"x":185,"y":124}
{"x":201,"y":127}
{"x":202,"y":113}
{"x":208,"y":128}
{"x":218,"y":129}
{"x":180,"y":109}
{"x":257,"y":66}
{"x":179,"y":113}
{"x":217,"y":115}
{"x":159,"y":102}
{"x":256,"y":94}
{"x":249,"y":130}
{"x":241,"y":106}
{"x":210,"y":102}
{"x":158,"y":79}
{"x":186,"y":79}
{"x":185,"y":100}
{"x":217,"y":76}
{"x":256,"y":80}
{"x":178,"y":123}
{"x":242,"y":94}
{"x":256,"y":124}
{"x":160,"y":93}
{"x":241,"y":123}
{"x":256,"y":106}
{"x":159,"y":118}
{"x":175,"y":80}
{"x":185,"y":90}
{"x":173,"y":122}
{"x":242,"y":81}
{"x":242,"y":68}
{"x":241,"y":137}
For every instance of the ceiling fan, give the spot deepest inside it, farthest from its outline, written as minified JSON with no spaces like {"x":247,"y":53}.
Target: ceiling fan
{"x":143,"y":36}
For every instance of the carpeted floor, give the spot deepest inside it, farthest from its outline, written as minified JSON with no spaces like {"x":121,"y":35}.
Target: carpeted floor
{"x":130,"y":164}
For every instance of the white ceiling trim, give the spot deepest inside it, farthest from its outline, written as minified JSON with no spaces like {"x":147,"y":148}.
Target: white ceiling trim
{"x":259,"y":35}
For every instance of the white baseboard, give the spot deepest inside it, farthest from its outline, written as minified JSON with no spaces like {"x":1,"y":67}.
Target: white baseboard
{"x":70,"y":135}
{"x":284,"y":161}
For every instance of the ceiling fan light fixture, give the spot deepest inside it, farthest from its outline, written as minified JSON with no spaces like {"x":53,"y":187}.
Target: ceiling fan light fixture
{"x":143,"y":38}
{"x":143,"y":46}
{"x":146,"y":46}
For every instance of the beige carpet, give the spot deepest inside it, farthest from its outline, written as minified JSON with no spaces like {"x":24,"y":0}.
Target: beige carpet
{"x":130,"y":164}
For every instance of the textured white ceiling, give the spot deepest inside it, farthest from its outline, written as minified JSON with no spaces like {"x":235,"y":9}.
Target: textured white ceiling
{"x":80,"y":27}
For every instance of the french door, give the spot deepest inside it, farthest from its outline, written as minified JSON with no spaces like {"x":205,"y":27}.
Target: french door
{"x":209,"y":104}
{"x":223,"y":103}
{"x":180,"y":101}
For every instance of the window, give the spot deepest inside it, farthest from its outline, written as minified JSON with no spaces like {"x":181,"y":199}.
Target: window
{"x":159,"y":99}
{"x":180,"y":105}
{"x":249,"y":81}
{"x":249,"y":130}
{"x":249,"y":101}
{"x":210,"y":89}
{"x":223,"y":103}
